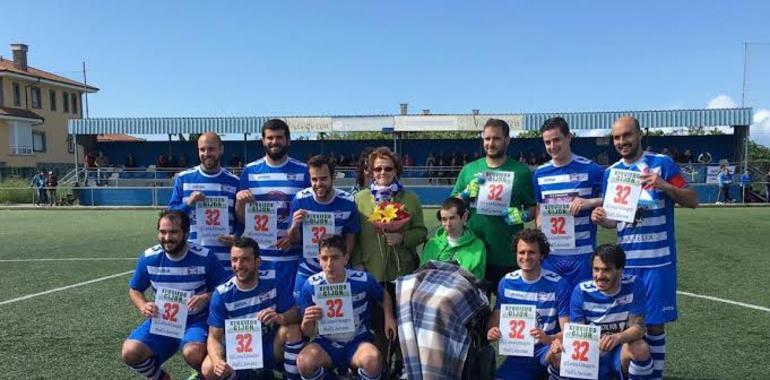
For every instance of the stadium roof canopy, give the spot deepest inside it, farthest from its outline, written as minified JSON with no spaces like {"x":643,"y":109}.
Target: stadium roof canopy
{"x":406,"y":123}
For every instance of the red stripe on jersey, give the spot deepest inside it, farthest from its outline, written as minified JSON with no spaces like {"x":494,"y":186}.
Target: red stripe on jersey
{"x":678,"y":181}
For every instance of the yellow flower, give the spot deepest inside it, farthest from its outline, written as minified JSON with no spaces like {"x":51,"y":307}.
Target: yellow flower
{"x":389,"y":213}
{"x":376,"y":215}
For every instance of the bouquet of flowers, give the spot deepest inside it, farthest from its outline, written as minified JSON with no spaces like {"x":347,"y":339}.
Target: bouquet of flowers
{"x":389,"y":216}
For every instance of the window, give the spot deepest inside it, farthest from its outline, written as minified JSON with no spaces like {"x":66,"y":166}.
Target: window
{"x":36,"y":97}
{"x":65,"y":101}
{"x":38,"y":141}
{"x":2,"y":89}
{"x":52,"y":99}
{"x":74,"y":103}
{"x":16,"y":95}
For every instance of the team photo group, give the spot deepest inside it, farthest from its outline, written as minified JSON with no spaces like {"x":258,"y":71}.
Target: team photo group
{"x":278,"y":271}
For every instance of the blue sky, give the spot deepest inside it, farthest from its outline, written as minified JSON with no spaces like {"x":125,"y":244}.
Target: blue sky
{"x":194,"y":58}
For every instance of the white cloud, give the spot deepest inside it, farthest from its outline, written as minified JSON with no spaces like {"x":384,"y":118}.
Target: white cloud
{"x":722,"y":101}
{"x":760,"y":130}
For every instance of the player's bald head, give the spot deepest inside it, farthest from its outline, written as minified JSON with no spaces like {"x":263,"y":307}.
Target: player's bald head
{"x":627,"y":121}
{"x":209,"y":136}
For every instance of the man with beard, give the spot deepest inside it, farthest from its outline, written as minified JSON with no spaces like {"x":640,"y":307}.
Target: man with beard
{"x":275,"y":178}
{"x":616,"y":303}
{"x":178,"y":264}
{"x":208,"y":181}
{"x":495,"y":230}
{"x":251,"y":293}
{"x":649,"y":242}
{"x":568,"y":179}
{"x":321,"y":197}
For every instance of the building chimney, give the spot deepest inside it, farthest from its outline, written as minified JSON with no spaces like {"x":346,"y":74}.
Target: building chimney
{"x":426,"y":111}
{"x":19,"y":56}
{"x":404,"y":109}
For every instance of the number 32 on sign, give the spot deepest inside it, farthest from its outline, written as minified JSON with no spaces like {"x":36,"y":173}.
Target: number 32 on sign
{"x":622,"y":195}
{"x":243,"y":343}
{"x":580,"y":358}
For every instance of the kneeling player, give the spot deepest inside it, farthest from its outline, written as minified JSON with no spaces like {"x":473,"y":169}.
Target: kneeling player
{"x":616,"y":303}
{"x":251,"y":293}
{"x":342,"y":350}
{"x":174,"y":264}
{"x":531,"y":285}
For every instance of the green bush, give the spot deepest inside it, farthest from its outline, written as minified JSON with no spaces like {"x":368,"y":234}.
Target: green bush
{"x":16,"y":190}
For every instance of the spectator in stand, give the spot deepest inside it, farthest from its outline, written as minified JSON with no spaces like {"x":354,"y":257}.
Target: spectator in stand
{"x":665,"y":151}
{"x":90,"y":160}
{"x":102,"y":162}
{"x":235,"y":161}
{"x":676,"y":155}
{"x":441,"y":162}
{"x":649,"y":149}
{"x":704,"y":157}
{"x":522,"y":159}
{"x":182,"y":163}
{"x":745,"y":185}
{"x":130,"y":161}
{"x":171,"y":161}
{"x":725,"y":182}
{"x":332,"y":159}
{"x":476,"y":155}
{"x":603,"y":158}
{"x":687,"y":156}
{"x":343,"y":161}
{"x":362,"y":172}
{"x":464,"y":159}
{"x":162,"y":161}
{"x":51,"y":182}
{"x":408,"y":161}
{"x":38,"y":182}
{"x":543,"y":158}
{"x":532,"y":160}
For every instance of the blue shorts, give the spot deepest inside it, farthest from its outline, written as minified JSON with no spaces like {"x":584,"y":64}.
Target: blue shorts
{"x":524,"y":368}
{"x":575,"y":269}
{"x":164,"y":347}
{"x":284,"y":274}
{"x":660,"y":289}
{"x":342,"y":353}
{"x":609,"y":364}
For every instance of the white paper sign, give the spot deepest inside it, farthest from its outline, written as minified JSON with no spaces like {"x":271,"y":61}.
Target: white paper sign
{"x":515,"y":323}
{"x":558,"y":225}
{"x":314,"y":226}
{"x":495,"y":194}
{"x":243,"y":343}
{"x":212,"y":218}
{"x":622,"y":195}
{"x":261,"y":223}
{"x":337,"y":304}
{"x":171,"y":320}
{"x":580,"y":358}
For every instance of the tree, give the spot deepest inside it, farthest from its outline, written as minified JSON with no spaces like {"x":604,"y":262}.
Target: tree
{"x":758,"y":152}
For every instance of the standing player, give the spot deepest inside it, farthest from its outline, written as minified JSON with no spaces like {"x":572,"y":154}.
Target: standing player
{"x":251,"y":293}
{"x":348,"y":349}
{"x":277,"y":178}
{"x":493,"y":229}
{"x":649,"y":242}
{"x":208,"y":180}
{"x":321,"y":196}
{"x":532,"y":285}
{"x":616,"y":303}
{"x":574,"y":180}
{"x":177,"y":264}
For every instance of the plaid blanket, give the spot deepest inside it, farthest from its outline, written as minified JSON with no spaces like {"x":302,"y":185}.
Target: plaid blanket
{"x":434,"y":306}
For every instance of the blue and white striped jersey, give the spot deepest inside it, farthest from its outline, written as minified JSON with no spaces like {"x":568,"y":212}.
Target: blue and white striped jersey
{"x":610,"y":312}
{"x":229,"y":301}
{"x":221,"y":184}
{"x":650,"y":241}
{"x":582,"y":178}
{"x":549,"y":293}
{"x":364,"y":289}
{"x":346,"y":219}
{"x":198,"y":271}
{"x":277,"y":183}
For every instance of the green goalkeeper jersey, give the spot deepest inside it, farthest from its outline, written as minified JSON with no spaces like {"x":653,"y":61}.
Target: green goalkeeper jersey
{"x":492,"y":229}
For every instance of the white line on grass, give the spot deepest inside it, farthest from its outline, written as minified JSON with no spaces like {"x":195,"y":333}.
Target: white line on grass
{"x":710,"y":298}
{"x":28,"y":296}
{"x":67,"y":259}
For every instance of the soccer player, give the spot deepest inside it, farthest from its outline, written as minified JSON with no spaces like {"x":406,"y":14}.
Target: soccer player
{"x":453,"y":242}
{"x":178,"y":264}
{"x":616,"y":303}
{"x":348,"y":349}
{"x":251,"y":293}
{"x":493,"y":229}
{"x":574,"y":180}
{"x":321,"y":196}
{"x":275,"y":177}
{"x":650,"y":242}
{"x":532,"y":285}
{"x":209,"y":179}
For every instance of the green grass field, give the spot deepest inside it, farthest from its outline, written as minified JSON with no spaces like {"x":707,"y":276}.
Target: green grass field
{"x":76,"y":333}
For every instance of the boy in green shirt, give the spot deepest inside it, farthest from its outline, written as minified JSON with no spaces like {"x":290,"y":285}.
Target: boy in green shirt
{"x":454,"y":243}
{"x":518,"y":194}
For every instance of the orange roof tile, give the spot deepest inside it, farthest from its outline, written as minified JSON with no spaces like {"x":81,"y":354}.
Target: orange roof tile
{"x":7,"y":65}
